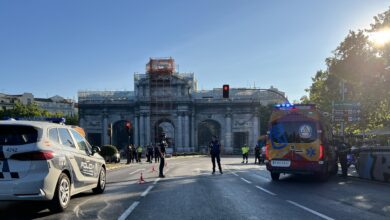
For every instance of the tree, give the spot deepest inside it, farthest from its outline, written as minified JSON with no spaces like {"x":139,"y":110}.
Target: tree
{"x":33,"y":110}
{"x":364,"y":69}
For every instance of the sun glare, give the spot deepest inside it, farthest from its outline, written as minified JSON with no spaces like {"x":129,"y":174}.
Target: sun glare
{"x":380,"y":38}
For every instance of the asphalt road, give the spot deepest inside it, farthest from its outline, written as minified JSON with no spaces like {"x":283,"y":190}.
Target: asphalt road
{"x":244,"y":191}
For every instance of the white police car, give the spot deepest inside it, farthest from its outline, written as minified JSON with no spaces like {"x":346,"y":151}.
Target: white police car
{"x":47,"y":161}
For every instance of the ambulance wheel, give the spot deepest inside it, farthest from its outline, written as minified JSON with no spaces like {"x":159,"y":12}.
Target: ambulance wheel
{"x":101,"y":186}
{"x":275,"y":176}
{"x":61,"y":197}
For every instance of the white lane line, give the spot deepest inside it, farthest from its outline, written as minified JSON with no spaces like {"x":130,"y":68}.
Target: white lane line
{"x":264,"y":190}
{"x":156,"y":181}
{"x":247,"y":181}
{"x":147,"y":191}
{"x":128,"y":211}
{"x":136,"y":171}
{"x":262,"y":177}
{"x":235,"y":174}
{"x":310,"y":210}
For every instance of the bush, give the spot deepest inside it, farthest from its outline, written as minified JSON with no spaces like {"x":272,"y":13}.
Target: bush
{"x":108,"y":151}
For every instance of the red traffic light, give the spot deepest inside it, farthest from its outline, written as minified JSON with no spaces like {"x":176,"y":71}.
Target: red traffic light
{"x":225,"y":89}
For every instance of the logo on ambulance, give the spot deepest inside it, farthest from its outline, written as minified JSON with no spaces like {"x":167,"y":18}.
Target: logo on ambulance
{"x":305,"y":131}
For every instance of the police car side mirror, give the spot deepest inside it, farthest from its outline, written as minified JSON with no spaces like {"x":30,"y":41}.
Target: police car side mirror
{"x":95,"y":149}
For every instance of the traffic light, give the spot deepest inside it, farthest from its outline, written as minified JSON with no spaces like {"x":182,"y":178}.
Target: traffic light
{"x":225,"y":90}
{"x":128,"y":127}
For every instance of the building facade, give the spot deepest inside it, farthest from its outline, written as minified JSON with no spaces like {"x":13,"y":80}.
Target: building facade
{"x":55,"y":104}
{"x":165,"y":101}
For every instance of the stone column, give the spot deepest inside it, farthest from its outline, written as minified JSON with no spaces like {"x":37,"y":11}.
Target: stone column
{"x":228,"y":134}
{"x":147,"y":128}
{"x":256,"y":131}
{"x":136,"y":130}
{"x":142,"y":129}
{"x":179,"y":131}
{"x":186,"y":131}
{"x":193,"y":144}
{"x":106,"y":138}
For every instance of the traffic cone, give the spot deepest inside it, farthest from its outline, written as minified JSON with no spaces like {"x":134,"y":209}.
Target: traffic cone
{"x":141,"y":179}
{"x":153,"y":170}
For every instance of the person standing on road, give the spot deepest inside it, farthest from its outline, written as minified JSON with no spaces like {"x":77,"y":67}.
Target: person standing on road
{"x":128,"y":154}
{"x":139,"y":153}
{"x":257,"y":153}
{"x":342,"y":151}
{"x":156,"y":154}
{"x":150,"y":153}
{"x":245,"y":152}
{"x":215,"y":150}
{"x":133,"y":154}
{"x":162,"y":150}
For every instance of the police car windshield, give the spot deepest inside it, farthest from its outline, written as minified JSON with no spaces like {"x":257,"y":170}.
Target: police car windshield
{"x":17,"y":135}
{"x":294,"y":132}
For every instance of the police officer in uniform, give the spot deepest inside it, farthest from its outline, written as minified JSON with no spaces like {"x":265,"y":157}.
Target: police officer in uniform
{"x":215,"y":150}
{"x":134,"y":154}
{"x":150,"y":153}
{"x":245,"y":152}
{"x":139,"y":153}
{"x":128,"y":154}
{"x":156,"y":153}
{"x":162,"y":150}
{"x":257,"y":153}
{"x":342,"y":151}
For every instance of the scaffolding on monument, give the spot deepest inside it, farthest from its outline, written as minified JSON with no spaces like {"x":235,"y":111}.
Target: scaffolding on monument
{"x":160,"y":73}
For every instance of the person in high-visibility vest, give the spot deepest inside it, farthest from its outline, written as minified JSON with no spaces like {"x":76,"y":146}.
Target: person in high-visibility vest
{"x":245,"y":152}
{"x":139,"y":152}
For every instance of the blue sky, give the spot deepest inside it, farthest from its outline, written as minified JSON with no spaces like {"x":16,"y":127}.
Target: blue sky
{"x":60,"y":47}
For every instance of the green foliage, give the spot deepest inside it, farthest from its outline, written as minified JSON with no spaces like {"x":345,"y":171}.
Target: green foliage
{"x":365,"y":70}
{"x":108,"y":151}
{"x":33,"y":110}
{"x":72,"y":119}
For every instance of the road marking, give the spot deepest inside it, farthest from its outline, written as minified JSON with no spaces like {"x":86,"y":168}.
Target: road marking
{"x":235,"y":174}
{"x":128,"y":211}
{"x":264,"y":190}
{"x":136,"y":171}
{"x":246,"y":180}
{"x":310,"y":210}
{"x":262,"y":177}
{"x":156,"y":181}
{"x":147,"y":191}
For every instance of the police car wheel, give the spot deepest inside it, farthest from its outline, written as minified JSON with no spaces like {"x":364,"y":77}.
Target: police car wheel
{"x":61,"y":197}
{"x":101,"y":186}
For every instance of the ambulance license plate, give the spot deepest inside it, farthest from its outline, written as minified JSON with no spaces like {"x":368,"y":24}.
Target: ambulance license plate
{"x":280,"y":163}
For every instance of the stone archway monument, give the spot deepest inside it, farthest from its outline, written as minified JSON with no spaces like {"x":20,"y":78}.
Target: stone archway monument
{"x":121,"y":137}
{"x":206,"y":129}
{"x":165,"y":126}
